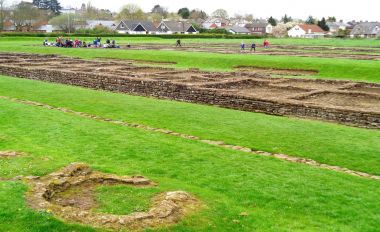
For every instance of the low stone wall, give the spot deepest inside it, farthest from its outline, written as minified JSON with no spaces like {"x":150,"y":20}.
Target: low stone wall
{"x":181,"y":92}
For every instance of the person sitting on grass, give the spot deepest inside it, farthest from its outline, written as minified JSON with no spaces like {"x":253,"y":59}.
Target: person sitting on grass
{"x":46,"y":42}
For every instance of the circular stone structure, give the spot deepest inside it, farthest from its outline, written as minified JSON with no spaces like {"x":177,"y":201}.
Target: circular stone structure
{"x":44,"y":195}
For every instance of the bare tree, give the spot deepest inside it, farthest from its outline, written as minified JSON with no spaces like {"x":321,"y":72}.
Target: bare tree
{"x":2,"y":13}
{"x":220,"y":13}
{"x":24,"y":14}
{"x":131,"y":11}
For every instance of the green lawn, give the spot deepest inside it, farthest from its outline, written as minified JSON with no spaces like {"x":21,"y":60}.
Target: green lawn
{"x":354,"y":148}
{"x":346,"y":69}
{"x":278,"y":196}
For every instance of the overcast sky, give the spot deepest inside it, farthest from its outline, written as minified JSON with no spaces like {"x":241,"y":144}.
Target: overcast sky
{"x":342,"y":9}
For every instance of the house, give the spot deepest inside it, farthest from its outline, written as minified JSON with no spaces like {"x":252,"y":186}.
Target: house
{"x":9,"y":26}
{"x":175,"y":27}
{"x":209,"y":26}
{"x":237,"y":30}
{"x":214,"y":23}
{"x":260,"y":27}
{"x":136,"y":27}
{"x":366,"y":30}
{"x":335,"y":27}
{"x":306,"y":31}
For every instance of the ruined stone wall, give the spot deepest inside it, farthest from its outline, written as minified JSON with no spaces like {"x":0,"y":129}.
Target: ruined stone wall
{"x":169,"y":90}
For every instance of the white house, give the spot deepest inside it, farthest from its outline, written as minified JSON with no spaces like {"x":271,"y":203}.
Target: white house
{"x":136,"y":27}
{"x":336,"y":26}
{"x":306,"y":31}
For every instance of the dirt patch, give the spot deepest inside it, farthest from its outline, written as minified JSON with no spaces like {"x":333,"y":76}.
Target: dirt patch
{"x":277,"y":71}
{"x":10,"y":154}
{"x":68,"y":194}
{"x":139,"y":61}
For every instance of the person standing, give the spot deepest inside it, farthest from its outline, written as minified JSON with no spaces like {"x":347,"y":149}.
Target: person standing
{"x":242,"y":46}
{"x":253,"y":46}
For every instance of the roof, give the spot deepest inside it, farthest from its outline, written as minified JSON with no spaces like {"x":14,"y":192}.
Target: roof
{"x":208,"y":25}
{"x":238,"y":29}
{"x":104,"y":23}
{"x":312,"y":28}
{"x":177,"y":26}
{"x":260,"y":23}
{"x":132,"y":24}
{"x":336,"y":24}
{"x":368,"y":28}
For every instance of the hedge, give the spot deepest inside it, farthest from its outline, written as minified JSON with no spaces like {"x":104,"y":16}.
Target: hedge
{"x":174,"y":36}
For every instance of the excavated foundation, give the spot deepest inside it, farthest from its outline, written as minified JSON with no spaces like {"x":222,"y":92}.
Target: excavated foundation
{"x":10,"y":154}
{"x":67,"y":194}
{"x":250,"y":89}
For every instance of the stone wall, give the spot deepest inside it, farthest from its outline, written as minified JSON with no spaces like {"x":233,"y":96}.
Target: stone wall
{"x":196,"y":94}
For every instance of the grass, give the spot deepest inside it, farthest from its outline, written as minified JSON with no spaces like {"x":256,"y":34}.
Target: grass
{"x":122,"y":200}
{"x":328,"y":68}
{"x":354,"y":148}
{"x":278,"y":196}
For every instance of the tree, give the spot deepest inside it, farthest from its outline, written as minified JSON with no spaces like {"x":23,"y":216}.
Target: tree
{"x":286,"y":19}
{"x":184,"y":13}
{"x":310,"y":20}
{"x":331,"y":19}
{"x":272,"y":21}
{"x":66,"y":22}
{"x":198,"y":14}
{"x":322,"y":24}
{"x":2,"y":13}
{"x":52,"y":5}
{"x":132,"y":12}
{"x":220,"y":13}
{"x":23,"y":15}
{"x":157,"y":9}
{"x":249,"y":17}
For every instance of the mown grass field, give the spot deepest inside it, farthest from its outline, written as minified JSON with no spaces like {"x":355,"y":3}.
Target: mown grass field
{"x":275,"y":195}
{"x":278,"y":196}
{"x":345,"y":69}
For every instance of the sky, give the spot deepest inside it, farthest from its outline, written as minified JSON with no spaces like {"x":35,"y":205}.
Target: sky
{"x":301,"y":9}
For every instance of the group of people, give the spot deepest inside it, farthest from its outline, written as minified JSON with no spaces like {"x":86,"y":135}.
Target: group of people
{"x":76,"y":43}
{"x":253,"y":45}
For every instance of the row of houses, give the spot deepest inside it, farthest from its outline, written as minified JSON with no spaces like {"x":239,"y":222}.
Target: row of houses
{"x":123,"y":27}
{"x":147,"y":27}
{"x":360,"y":30}
{"x":257,"y":27}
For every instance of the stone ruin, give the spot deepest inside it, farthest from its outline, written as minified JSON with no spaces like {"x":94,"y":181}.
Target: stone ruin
{"x":10,"y":154}
{"x":46,"y":194}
